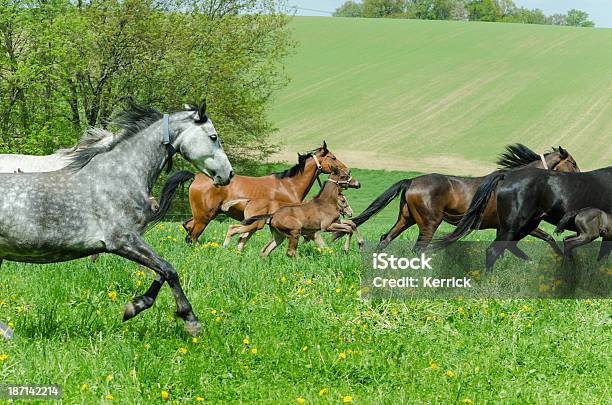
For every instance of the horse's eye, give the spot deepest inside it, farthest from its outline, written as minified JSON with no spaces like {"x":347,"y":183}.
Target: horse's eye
{"x":213,"y":138}
{"x":334,"y":158}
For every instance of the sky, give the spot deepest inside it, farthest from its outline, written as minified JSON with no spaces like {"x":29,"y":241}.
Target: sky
{"x":599,"y":11}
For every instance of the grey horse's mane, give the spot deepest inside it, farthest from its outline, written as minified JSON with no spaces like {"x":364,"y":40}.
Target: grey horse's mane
{"x":131,"y":121}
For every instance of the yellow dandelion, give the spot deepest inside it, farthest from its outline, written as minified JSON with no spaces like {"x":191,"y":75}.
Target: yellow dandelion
{"x":283,"y":279}
{"x":347,"y":399}
{"x":213,"y":311}
{"x":450,"y":373}
{"x":182,"y":350}
{"x":338,"y":290}
{"x":308,"y":281}
{"x":112,"y":295}
{"x":165,"y":394}
{"x":109,"y":377}
{"x":140,"y":273}
{"x":502,"y":315}
{"x":3,"y":357}
{"x":300,"y":400}
{"x":109,"y":397}
{"x":461,"y":310}
{"x":11,"y":324}
{"x":199,"y":399}
{"x":246,"y":341}
{"x":195,"y":340}
{"x":254,"y":350}
{"x":84,"y":387}
{"x":433,"y":365}
{"x":147,"y":346}
{"x":342,"y":355}
{"x":218,"y":319}
{"x":20,"y":309}
{"x":300,"y":291}
{"x":467,"y":401}
{"x":305,"y":348}
{"x":322,"y":392}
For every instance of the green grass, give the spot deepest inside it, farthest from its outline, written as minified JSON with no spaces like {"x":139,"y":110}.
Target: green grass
{"x":303,"y":316}
{"x":447,"y":96}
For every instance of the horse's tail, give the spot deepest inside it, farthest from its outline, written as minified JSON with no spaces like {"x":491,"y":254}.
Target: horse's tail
{"x":230,"y":203}
{"x":167,"y":193}
{"x":378,"y":204}
{"x":472,"y":218}
{"x":256,"y":218}
{"x":562,"y":225}
{"x":382,"y":201}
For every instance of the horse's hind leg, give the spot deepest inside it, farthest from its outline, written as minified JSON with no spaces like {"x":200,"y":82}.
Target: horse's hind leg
{"x":135,"y":249}
{"x":404,"y":221}
{"x":277,"y":240}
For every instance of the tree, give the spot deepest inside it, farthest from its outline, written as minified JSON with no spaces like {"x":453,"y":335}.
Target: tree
{"x":382,"y":8}
{"x":349,"y":9}
{"x":65,"y":66}
{"x":578,"y":18}
{"x":484,"y":10}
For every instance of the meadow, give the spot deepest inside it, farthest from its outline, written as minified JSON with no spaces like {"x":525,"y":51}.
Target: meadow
{"x":447,"y":94}
{"x":291,"y":331}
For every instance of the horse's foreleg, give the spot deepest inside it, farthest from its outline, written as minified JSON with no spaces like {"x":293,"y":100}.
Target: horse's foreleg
{"x":135,"y":249}
{"x":231,"y":231}
{"x":318,"y":239}
{"x":293,"y":243}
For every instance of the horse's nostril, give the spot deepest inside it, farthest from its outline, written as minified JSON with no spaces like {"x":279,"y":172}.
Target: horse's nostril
{"x":231,"y":174}
{"x":213,"y":173}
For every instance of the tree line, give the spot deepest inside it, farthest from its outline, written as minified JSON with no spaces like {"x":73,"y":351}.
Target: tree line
{"x":69,"y":64}
{"x":472,"y":10}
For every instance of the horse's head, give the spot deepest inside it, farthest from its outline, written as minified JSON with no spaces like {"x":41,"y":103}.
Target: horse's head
{"x":327,"y":160}
{"x":343,"y":178}
{"x":197,"y":140}
{"x":562,"y":161}
{"x":345,"y":208}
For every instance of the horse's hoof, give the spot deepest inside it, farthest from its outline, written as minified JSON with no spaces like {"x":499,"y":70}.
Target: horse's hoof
{"x":193,"y":328}
{"x":129,"y":311}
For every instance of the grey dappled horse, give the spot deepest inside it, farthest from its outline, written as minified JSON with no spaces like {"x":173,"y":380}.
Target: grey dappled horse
{"x":99,"y":202}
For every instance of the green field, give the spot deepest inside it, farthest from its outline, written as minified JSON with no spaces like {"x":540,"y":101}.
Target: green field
{"x":308,"y":334}
{"x":445,"y":96}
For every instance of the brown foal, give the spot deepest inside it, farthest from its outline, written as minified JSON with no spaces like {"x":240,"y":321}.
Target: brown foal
{"x":257,"y":207}
{"x":288,"y":187}
{"x":321,"y":213}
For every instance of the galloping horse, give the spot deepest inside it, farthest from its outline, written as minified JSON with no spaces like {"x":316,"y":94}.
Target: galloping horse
{"x":99,"y":202}
{"x":430,"y":199}
{"x":290,"y":187}
{"x":320,"y":213}
{"x":525,"y":198}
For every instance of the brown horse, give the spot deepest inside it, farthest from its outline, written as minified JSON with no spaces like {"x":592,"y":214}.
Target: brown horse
{"x":321,"y":213}
{"x":289,"y":186}
{"x":430,"y":199}
{"x":261,"y":207}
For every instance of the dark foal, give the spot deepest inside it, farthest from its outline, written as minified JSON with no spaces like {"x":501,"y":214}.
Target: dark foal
{"x":590,"y":224}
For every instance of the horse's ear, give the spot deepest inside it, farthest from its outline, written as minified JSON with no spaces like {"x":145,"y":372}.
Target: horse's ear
{"x":201,"y":116}
{"x":325,"y":146}
{"x":563,"y":153}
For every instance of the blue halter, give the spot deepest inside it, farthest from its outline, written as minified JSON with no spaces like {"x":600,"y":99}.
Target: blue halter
{"x":166,"y":141}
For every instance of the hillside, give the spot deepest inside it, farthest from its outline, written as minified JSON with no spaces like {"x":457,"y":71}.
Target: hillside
{"x":445,"y":96}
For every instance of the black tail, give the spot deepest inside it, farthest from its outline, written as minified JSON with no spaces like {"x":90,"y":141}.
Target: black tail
{"x":167,"y":193}
{"x":256,"y":218}
{"x":562,"y":225}
{"x":470,"y":221}
{"x":377,"y":205}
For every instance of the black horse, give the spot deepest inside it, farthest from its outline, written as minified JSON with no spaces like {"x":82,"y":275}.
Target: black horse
{"x":527,"y":197}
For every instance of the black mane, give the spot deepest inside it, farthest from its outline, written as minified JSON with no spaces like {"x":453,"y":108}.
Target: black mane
{"x":295,"y":170}
{"x":517,"y":155}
